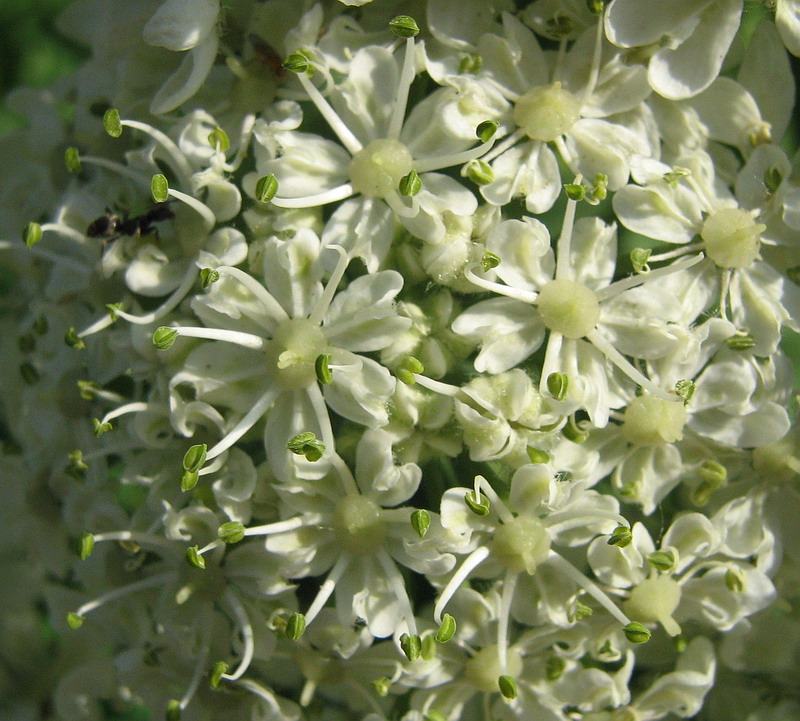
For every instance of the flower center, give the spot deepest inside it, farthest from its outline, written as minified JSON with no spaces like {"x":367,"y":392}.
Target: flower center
{"x":294,"y":349}
{"x":376,"y":170}
{"x":547,"y":112}
{"x":521,"y":545}
{"x":358,"y":525}
{"x":483,"y":669}
{"x":568,"y":308}
{"x":732,"y":237}
{"x":654,"y":601}
{"x":653,"y":421}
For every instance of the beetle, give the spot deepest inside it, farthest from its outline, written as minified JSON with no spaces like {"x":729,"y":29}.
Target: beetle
{"x":111,"y":226}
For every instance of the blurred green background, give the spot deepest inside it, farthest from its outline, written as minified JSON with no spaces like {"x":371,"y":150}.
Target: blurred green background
{"x":33,"y":53}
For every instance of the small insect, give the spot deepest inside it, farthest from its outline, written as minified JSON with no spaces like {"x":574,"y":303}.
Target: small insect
{"x":264,"y":53}
{"x":111,"y":226}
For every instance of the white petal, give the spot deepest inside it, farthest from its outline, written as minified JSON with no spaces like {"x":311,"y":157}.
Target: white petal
{"x":187,"y":79}
{"x":787,"y":19}
{"x":181,"y":24}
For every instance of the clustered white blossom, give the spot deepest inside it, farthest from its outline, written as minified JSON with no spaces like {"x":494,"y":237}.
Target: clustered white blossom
{"x":404,"y":361}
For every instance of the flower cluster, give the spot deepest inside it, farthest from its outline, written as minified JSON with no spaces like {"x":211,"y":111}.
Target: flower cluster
{"x":420,"y":361}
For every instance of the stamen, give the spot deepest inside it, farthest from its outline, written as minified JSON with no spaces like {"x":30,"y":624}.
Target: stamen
{"x":177,"y":161}
{"x":448,"y":161}
{"x":158,"y":580}
{"x":683,"y":250}
{"x":327,"y":587}
{"x":336,"y":124}
{"x":266,"y":298}
{"x":471,"y":562}
{"x":594,"y":72}
{"x":248,"y":640}
{"x":551,"y":354}
{"x":64,"y":229}
{"x":403,"y":86}
{"x":563,"y":246}
{"x":244,"y":140}
{"x":264,"y":694}
{"x":168,"y":305}
{"x":398,"y":587}
{"x":201,"y":661}
{"x":252,"y":416}
{"x":291,"y":524}
{"x":507,"y":142}
{"x":481,"y":485}
{"x":246,"y":340}
{"x":142,"y":539}
{"x":324,"y":301}
{"x":399,"y":208}
{"x":524,"y":296}
{"x":636,"y":280}
{"x":613,"y":355}
{"x":588,"y":585}
{"x":723,"y":293}
{"x":345,"y":476}
{"x":509,"y":585}
{"x":333,"y":195}
{"x":209,"y":219}
{"x":136,"y":407}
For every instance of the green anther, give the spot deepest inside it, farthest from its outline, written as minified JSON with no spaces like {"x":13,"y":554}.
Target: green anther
{"x":558,"y":385}
{"x":478,"y":505}
{"x":713,"y":472}
{"x":507,"y":686}
{"x":621,"y":537}
{"x":675,"y":175}
{"x":218,"y":670}
{"x":470,"y":64}
{"x":382,"y":686}
{"x":486,"y":130}
{"x":72,"y":160}
{"x":480,"y":172}
{"x":76,"y":466}
{"x":208,"y":276}
{"x":194,"y":557}
{"x":741,"y":342}
{"x":404,"y":26}
{"x":73,"y":340}
{"x":411,"y":646}
{"x":296,"y":62}
{"x":410,"y":184}
{"x":306,"y":444}
{"x":85,"y":545}
{"x":100,"y":428}
{"x":322,"y":369}
{"x":772,"y":179}
{"x":575,"y":191}
{"x":189,"y":480}
{"x":295,"y":627}
{"x":112,"y":123}
{"x":686,"y":390}
{"x":489,"y":261}
{"x":582,"y":611}
{"x":554,"y":668}
{"x":174,"y":710}
{"x":635,"y":632}
{"x":112,"y":309}
{"x":231,"y":532}
{"x":420,"y":522}
{"x":536,"y":455}
{"x":661,"y":560}
{"x":639,"y":258}
{"x":159,"y":188}
{"x":74,"y":621}
{"x":32,"y":234}
{"x":574,"y":432}
{"x":447,"y":629}
{"x":266,"y":188}
{"x":164,"y":337}
{"x":407,"y":369}
{"x":195,"y":457}
{"x":218,"y":139}
{"x":735,"y":580}
{"x":88,"y":390}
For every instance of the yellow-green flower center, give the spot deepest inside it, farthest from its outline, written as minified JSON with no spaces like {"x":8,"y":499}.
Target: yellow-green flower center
{"x":568,"y":308}
{"x":292,"y":352}
{"x":732,"y":237}
{"x":376,"y":170}
{"x":547,"y":112}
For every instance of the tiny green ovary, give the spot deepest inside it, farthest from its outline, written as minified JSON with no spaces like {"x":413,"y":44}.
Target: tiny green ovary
{"x":547,"y":112}
{"x":293,"y":351}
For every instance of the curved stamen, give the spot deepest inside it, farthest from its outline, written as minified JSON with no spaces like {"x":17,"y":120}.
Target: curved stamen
{"x":683,"y":250}
{"x":176,"y":159}
{"x":403,"y":86}
{"x":266,"y":298}
{"x":398,"y":586}
{"x":321,"y":306}
{"x":509,"y":586}
{"x":552,"y":350}
{"x":158,"y":580}
{"x":637,"y":280}
{"x":252,"y":416}
{"x":327,"y":587}
{"x":564,"y":245}
{"x":506,"y":143}
{"x":525,"y":296}
{"x":168,"y":305}
{"x":341,"y":192}
{"x":248,"y":639}
{"x":350,"y":141}
{"x":399,"y":208}
{"x":136,"y":407}
{"x":448,"y":161}
{"x":471,"y":562}
{"x":209,"y":219}
{"x":142,"y":539}
{"x":246,"y":340}
{"x":481,"y":485}
{"x":117,"y":168}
